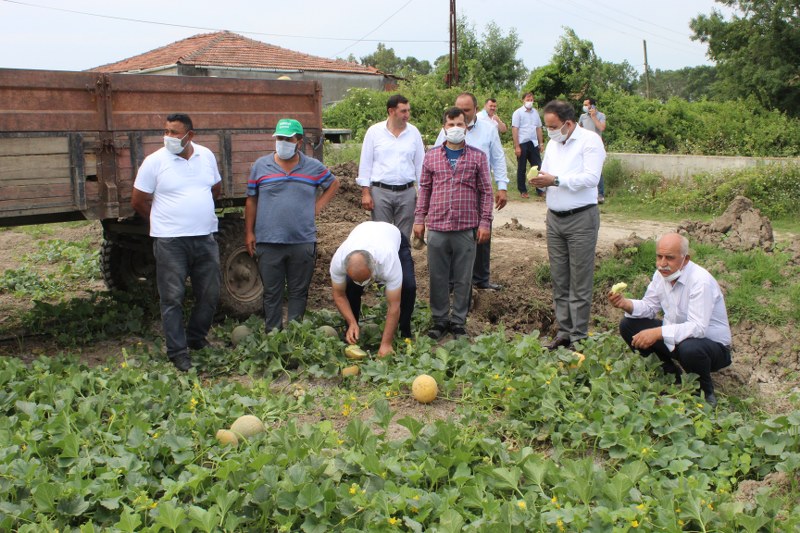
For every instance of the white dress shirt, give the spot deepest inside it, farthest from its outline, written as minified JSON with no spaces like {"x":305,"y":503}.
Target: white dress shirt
{"x":578,"y":164}
{"x":389,"y":159}
{"x":693,"y":308}
{"x":527,"y":120}
{"x":483,"y":135}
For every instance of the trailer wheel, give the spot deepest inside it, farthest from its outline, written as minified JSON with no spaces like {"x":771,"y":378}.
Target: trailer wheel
{"x":127,"y":268}
{"x":241,"y":291}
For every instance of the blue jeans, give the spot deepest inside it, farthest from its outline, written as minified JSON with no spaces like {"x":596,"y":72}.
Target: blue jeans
{"x":289,"y":265}
{"x":176,"y":259}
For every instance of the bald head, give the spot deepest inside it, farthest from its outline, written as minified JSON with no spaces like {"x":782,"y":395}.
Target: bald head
{"x":674,"y":242}
{"x":359,"y":265}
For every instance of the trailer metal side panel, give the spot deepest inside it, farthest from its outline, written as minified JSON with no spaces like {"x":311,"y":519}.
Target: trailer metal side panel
{"x":71,"y":142}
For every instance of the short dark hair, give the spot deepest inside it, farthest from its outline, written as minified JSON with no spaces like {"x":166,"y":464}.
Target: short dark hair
{"x":470,"y":95}
{"x":592,"y":101}
{"x":492,"y":100}
{"x":395,"y":100}
{"x":528,"y":93}
{"x":452,"y":112}
{"x":182,"y":118}
{"x":561,"y":109}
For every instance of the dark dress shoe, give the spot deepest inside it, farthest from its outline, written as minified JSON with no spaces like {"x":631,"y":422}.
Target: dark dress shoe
{"x":558,"y":342}
{"x":489,"y":286}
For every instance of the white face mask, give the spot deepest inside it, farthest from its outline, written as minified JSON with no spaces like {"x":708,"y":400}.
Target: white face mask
{"x":557,"y":135}
{"x":173,"y":144}
{"x":675,"y":275}
{"x":455,"y":135}
{"x":285,"y":149}
{"x":585,"y":109}
{"x":528,"y":105}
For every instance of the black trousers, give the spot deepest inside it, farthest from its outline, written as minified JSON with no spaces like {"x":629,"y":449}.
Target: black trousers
{"x":698,"y":356}
{"x":408,"y":293}
{"x":530,"y":154}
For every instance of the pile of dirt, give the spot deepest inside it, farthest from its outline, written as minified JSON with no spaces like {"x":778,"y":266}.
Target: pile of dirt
{"x":741,"y":227}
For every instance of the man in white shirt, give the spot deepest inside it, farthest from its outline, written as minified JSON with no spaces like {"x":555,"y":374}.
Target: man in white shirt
{"x":487,"y":140}
{"x":695,"y":328}
{"x":175,"y":190}
{"x":390,"y":166}
{"x":375,"y":252}
{"x":571,"y":169}
{"x":489,"y":112}
{"x":526,"y":131}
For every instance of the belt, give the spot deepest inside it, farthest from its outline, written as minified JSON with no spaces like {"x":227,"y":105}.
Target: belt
{"x":393,"y":187}
{"x":572,"y":211}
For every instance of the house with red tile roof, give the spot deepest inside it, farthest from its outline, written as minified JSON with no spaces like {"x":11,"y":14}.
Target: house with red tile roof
{"x":229,"y":55}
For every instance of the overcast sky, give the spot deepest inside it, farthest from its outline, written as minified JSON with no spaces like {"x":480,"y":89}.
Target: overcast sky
{"x":41,"y":34}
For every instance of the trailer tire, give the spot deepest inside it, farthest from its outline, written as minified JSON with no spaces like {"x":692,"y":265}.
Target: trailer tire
{"x":127,"y":268}
{"x":241,"y":291}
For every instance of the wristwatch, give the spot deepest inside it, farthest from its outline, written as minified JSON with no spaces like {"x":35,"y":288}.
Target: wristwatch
{"x":556,"y":183}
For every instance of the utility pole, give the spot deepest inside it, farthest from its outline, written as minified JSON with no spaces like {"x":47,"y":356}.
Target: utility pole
{"x":646,"y":72}
{"x":452,"y":73}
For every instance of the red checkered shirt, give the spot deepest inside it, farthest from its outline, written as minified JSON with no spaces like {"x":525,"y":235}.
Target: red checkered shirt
{"x":454,"y":200}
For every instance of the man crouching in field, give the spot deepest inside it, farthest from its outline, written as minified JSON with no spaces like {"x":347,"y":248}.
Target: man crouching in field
{"x":695,"y":328}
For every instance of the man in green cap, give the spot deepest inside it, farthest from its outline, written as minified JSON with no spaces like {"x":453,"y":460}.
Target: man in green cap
{"x":282,"y":204}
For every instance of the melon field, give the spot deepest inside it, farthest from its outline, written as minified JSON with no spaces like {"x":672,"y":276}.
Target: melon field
{"x":518,"y":439}
{"x":99,"y":432}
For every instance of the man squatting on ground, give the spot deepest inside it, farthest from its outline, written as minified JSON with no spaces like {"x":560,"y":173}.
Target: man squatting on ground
{"x":375,"y":252}
{"x":695,"y":328}
{"x":174,"y":191}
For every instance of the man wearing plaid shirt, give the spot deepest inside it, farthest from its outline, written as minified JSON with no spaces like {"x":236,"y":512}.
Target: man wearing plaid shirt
{"x":455,"y":202}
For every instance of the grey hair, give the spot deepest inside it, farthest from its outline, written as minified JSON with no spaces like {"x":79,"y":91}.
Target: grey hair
{"x":368,"y":259}
{"x":684,"y":243}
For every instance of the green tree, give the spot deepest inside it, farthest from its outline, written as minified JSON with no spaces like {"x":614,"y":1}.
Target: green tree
{"x":576,"y":72}
{"x":757,"y":50}
{"x":489,"y":62}
{"x":689,"y":83}
{"x":386,"y":60}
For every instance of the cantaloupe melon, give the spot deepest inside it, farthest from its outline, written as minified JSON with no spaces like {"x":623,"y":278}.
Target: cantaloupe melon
{"x":349,"y":371}
{"x":328,"y":331}
{"x":424,"y":388}
{"x":247,"y":426}
{"x":227,"y":437}
{"x":239,"y":333}
{"x":354,"y":353}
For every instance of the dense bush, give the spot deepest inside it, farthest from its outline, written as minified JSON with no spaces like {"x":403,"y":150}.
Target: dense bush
{"x":364,"y":107}
{"x":774,"y":189}
{"x":740,"y":127}
{"x":635,"y":124}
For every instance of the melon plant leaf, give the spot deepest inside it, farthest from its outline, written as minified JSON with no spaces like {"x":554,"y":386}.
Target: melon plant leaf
{"x":451,"y":522}
{"x":128,"y":521}
{"x":170,"y":516}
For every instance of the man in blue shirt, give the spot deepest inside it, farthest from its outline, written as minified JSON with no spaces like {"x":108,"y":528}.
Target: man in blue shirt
{"x":281,"y":207}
